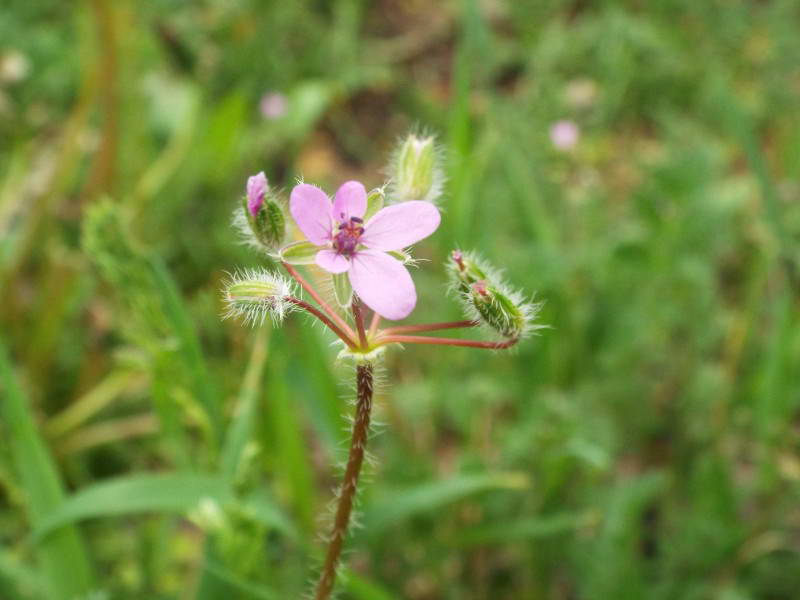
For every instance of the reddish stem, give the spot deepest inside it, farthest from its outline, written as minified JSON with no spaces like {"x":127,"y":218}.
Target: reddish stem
{"x":438,"y":341}
{"x":359,"y":320}
{"x":373,"y":326}
{"x":324,"y":305}
{"x":429,"y":327}
{"x":322,"y":317}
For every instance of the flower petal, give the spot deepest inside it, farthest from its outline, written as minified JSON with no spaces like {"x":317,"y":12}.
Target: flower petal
{"x":350,"y":201}
{"x":311,"y":210}
{"x":383,"y":283}
{"x":332,"y":261}
{"x":256,"y":188}
{"x":400,"y":225}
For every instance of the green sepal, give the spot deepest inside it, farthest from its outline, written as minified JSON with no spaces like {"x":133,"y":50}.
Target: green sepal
{"x":403,"y":257}
{"x":375,"y":201}
{"x":342,"y":289}
{"x":299,"y":253}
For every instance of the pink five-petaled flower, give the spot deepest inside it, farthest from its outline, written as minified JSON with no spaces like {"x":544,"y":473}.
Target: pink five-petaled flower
{"x":347,"y":244}
{"x":256,"y":188}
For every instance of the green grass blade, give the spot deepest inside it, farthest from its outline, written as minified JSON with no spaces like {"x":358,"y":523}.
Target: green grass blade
{"x":230,"y":583}
{"x":472,"y":44}
{"x":189,"y":346}
{"x":323,"y":397}
{"x":241,"y":428}
{"x":17,"y":580}
{"x":361,"y":588}
{"x":287,"y":444}
{"x":522,"y":529}
{"x":63,"y":556}
{"x":172,"y":492}
{"x":616,"y":565}
{"x":396,"y":506}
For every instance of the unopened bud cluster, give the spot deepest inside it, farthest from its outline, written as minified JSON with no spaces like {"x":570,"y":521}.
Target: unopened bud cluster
{"x":415,"y":170}
{"x":489,"y":300}
{"x":255,"y":294}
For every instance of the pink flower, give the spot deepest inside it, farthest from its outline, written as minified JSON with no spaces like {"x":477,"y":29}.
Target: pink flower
{"x":564,"y":134}
{"x":273,"y":105}
{"x":256,"y":188}
{"x":347,"y":244}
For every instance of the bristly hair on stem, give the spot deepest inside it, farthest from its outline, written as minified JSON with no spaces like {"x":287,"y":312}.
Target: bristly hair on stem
{"x":347,"y":492}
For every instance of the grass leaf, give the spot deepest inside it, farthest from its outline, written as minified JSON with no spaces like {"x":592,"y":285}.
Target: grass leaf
{"x":63,"y":556}
{"x":398,"y":505}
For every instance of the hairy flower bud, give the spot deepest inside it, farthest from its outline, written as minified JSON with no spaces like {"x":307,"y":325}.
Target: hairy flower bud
{"x":487,"y":299}
{"x":497,"y":309}
{"x":256,"y":294}
{"x":415,"y":170}
{"x":466,"y":269}
{"x":263,"y":214}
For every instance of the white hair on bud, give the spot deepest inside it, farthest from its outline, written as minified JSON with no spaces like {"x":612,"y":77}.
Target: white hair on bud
{"x":246,"y":235}
{"x":522,"y":324}
{"x":254,"y":306}
{"x":401,"y":191}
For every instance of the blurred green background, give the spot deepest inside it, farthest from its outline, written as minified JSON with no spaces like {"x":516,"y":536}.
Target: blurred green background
{"x":644,"y":446}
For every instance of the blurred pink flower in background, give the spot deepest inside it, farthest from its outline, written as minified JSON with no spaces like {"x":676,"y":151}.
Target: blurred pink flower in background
{"x":564,"y":134}
{"x":273,"y":105}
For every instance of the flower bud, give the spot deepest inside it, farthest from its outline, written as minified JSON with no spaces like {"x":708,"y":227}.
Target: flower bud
{"x":487,"y":299}
{"x":253,"y":295}
{"x":497,"y":309}
{"x":466,"y":269}
{"x":415,"y":170}
{"x":264,"y":214}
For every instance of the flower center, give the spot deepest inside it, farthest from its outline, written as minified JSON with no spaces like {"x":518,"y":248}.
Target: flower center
{"x":346,"y":239}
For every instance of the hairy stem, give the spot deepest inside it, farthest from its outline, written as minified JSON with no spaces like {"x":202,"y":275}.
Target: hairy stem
{"x":347,"y":492}
{"x":313,"y":293}
{"x":429,"y":327}
{"x":437,"y":341}
{"x":322,"y":317}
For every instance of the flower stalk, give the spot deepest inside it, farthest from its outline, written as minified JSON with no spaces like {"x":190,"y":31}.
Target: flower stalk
{"x":347,"y":493}
{"x":439,"y":341}
{"x":359,"y":319}
{"x":315,"y":295}
{"x":324,"y":318}
{"x":429,"y":327}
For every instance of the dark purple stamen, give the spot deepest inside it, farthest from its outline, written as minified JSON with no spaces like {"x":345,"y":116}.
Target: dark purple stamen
{"x":347,"y":238}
